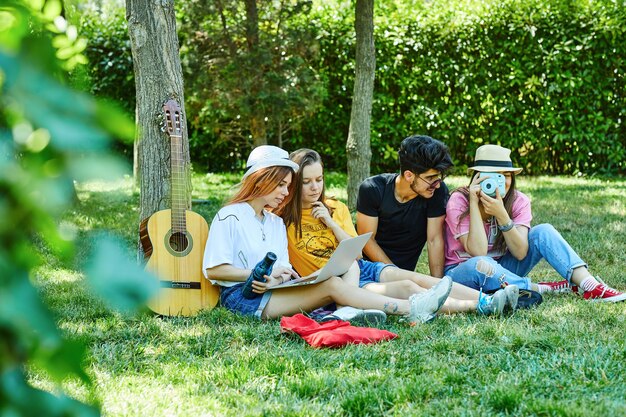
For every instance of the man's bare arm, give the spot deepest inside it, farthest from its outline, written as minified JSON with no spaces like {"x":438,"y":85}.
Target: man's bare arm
{"x":436,"y":245}
{"x":365,"y":224}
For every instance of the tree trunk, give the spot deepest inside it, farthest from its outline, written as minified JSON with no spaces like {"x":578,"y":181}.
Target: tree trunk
{"x":136,"y":174}
{"x":252,"y":25}
{"x":358,"y":150}
{"x":158,"y":77}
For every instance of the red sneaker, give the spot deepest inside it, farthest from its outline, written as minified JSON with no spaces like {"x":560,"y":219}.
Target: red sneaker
{"x":603,"y":293}
{"x":560,"y":286}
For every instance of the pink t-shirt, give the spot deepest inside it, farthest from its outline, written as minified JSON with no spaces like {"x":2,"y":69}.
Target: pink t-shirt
{"x":457,"y":204}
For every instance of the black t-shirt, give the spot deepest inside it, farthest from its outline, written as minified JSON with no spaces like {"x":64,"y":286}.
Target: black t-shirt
{"x":401,"y":229}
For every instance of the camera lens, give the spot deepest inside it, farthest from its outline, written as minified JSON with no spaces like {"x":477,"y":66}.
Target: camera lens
{"x":488,"y":187}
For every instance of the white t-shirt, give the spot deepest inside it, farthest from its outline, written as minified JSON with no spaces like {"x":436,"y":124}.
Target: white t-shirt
{"x":238,"y":238}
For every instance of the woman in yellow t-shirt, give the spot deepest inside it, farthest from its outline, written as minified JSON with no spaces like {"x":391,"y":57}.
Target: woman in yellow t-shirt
{"x":316,"y":225}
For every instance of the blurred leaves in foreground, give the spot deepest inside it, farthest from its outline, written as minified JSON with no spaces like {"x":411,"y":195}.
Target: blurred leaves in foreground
{"x":50,"y":136}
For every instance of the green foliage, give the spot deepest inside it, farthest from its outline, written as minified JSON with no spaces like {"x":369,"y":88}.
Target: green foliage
{"x":50,"y":136}
{"x":546,"y":79}
{"x":326,"y":130}
{"x":249,"y":78}
{"x":110,"y":68}
{"x":109,"y":74}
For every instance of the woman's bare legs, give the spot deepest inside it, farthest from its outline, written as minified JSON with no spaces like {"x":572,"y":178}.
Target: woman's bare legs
{"x":308,"y":298}
{"x":460,"y":292}
{"x":352,"y":276}
{"x":579,"y":274}
{"x":404,"y":289}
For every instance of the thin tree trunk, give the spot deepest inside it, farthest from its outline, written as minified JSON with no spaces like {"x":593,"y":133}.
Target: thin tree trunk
{"x":227,"y":38}
{"x":258,"y":126}
{"x":252,"y":25}
{"x":358,"y":150}
{"x":158,"y":77}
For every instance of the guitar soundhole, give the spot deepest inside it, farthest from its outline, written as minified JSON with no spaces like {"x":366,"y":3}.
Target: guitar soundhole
{"x":179,"y":242}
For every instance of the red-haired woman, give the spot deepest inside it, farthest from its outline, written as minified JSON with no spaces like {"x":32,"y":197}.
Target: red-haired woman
{"x":242,"y":233}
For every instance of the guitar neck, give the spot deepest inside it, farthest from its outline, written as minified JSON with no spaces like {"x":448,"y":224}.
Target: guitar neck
{"x":174,"y":126}
{"x":179,"y":177}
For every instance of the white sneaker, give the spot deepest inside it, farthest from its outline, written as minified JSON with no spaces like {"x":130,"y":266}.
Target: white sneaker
{"x":492,"y":304}
{"x":512,"y":295}
{"x":424,"y":306}
{"x":358,"y":316}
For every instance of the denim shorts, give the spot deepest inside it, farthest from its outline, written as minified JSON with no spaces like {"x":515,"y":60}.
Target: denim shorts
{"x":370,"y":271}
{"x":232,"y":299}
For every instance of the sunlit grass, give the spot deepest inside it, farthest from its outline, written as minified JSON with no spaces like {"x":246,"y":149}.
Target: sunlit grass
{"x":566,"y":357}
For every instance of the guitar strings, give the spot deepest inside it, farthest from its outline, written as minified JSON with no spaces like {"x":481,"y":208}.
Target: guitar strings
{"x":177,"y":191}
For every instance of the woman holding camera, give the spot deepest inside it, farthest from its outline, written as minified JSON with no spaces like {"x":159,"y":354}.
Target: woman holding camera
{"x":490,"y":242}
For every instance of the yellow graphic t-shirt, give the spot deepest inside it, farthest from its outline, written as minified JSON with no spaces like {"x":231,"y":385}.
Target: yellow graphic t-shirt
{"x":311,"y":251}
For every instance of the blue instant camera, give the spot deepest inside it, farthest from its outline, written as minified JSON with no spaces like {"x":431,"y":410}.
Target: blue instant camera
{"x":493,"y":182}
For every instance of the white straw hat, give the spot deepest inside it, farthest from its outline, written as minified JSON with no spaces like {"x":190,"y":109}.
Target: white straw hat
{"x":493,"y":158}
{"x":266,"y":156}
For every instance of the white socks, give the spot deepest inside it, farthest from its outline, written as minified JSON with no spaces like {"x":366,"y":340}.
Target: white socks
{"x":589,"y":283}
{"x":543,"y":288}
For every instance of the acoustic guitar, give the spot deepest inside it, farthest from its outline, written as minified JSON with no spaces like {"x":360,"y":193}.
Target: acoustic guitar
{"x":173,"y":240}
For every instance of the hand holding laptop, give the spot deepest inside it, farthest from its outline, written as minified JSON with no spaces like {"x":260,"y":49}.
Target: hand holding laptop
{"x":340,"y":261}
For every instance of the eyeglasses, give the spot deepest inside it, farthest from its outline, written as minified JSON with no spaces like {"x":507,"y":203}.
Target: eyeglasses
{"x":433,"y":184}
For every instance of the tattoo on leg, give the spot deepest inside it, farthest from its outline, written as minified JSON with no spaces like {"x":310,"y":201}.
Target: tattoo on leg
{"x":390,"y":307}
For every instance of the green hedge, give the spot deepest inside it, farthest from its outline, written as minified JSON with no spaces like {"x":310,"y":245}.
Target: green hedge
{"x":545,"y":78}
{"x":110,"y":71}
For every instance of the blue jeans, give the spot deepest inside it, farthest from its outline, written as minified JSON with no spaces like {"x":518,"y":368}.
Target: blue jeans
{"x":544,"y":241}
{"x":370,"y":271}
{"x":232,"y":299}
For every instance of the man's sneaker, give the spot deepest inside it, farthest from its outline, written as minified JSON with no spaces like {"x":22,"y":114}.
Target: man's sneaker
{"x":357,"y":316}
{"x":492,"y":304}
{"x":559,"y":286}
{"x":512,"y":296}
{"x":604,"y":293}
{"x":424,"y":306}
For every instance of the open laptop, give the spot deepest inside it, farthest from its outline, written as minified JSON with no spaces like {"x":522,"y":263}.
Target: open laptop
{"x":340,"y":261}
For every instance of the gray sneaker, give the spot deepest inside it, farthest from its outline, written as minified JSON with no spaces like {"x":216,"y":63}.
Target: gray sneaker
{"x":369,"y":317}
{"x":492,"y":304}
{"x":424,"y":306}
{"x":512,"y":295}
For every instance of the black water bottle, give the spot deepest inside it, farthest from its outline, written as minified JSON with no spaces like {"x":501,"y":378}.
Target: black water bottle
{"x":262,"y":268}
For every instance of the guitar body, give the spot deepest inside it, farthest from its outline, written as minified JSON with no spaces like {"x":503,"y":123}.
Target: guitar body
{"x":176,"y":258}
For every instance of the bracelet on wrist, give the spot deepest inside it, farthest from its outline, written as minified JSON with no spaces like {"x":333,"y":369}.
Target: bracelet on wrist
{"x":506,"y":227}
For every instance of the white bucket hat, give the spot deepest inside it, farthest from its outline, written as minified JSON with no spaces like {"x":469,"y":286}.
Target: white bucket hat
{"x":493,"y":158}
{"x":266,"y":156}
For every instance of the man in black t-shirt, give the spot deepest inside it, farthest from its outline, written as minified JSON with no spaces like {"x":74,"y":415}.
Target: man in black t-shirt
{"x":407,"y":210}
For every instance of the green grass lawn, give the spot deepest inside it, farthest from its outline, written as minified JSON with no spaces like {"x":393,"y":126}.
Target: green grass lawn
{"x":565,"y":358}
